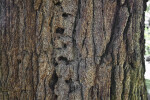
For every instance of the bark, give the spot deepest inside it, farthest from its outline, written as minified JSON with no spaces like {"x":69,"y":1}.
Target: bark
{"x":72,"y":50}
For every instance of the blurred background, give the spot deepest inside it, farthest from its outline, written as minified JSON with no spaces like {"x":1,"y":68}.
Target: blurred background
{"x":147,"y":47}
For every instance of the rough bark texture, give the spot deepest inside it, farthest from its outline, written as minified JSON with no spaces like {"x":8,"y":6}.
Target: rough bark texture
{"x":72,"y":50}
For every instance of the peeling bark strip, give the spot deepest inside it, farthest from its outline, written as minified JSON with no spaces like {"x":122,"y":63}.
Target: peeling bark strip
{"x":72,"y":50}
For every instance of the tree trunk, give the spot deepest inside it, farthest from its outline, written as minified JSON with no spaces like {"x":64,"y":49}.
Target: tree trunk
{"x":72,"y":50}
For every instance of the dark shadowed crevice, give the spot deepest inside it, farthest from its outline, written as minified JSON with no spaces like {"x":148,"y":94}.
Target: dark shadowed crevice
{"x":52,"y":84}
{"x":70,"y":84}
{"x":44,"y":89}
{"x":51,"y":23}
{"x":127,"y":27}
{"x":55,"y":97}
{"x":60,"y":30}
{"x":113,"y":85}
{"x":77,"y":17}
{"x":91,"y":94}
{"x":64,"y":59}
{"x":124,"y":80}
{"x":93,"y":22}
{"x":18,"y":61}
{"x":108,"y":47}
{"x":65,"y":45}
{"x":58,"y":3}
{"x":55,"y":63}
{"x":16,"y":98}
{"x":53,"y":81}
{"x":65,"y":15}
{"x":94,"y":93}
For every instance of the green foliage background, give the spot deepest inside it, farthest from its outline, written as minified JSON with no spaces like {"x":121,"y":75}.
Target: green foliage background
{"x":147,"y":29}
{"x":147,"y":39}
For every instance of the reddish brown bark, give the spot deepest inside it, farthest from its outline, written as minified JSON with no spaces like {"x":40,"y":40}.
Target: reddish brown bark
{"x":72,"y":50}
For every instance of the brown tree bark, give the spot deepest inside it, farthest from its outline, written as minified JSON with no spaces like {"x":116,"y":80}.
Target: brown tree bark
{"x":72,"y":50}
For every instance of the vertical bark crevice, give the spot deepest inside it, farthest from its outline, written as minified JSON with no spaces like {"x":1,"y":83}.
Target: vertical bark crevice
{"x":53,"y":81}
{"x":113,"y":83}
